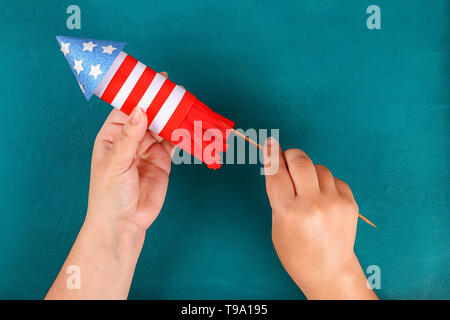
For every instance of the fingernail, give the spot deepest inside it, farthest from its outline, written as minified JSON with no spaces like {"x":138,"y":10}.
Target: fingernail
{"x":136,"y":116}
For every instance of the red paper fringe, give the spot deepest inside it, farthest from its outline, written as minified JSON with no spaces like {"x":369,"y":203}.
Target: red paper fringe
{"x":195,"y":144}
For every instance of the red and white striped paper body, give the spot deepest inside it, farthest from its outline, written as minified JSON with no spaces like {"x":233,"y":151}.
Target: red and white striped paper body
{"x":129,"y":83}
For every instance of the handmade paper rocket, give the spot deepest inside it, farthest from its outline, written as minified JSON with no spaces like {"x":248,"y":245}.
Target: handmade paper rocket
{"x":103,"y":69}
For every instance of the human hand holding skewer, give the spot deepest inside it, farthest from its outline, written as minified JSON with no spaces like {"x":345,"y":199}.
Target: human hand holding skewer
{"x":314,"y":219}
{"x":237,"y":133}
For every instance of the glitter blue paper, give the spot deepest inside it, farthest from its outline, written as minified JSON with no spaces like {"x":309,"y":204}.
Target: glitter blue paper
{"x":89,"y":59}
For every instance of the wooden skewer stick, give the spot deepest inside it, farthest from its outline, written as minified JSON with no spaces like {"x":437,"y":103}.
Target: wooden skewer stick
{"x":367,"y":220}
{"x":240,"y":135}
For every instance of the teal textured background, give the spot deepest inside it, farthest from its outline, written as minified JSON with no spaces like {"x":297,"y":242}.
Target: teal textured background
{"x":371,"y":105}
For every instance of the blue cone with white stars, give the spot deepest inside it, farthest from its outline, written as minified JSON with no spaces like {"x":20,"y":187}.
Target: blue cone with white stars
{"x":89,"y":59}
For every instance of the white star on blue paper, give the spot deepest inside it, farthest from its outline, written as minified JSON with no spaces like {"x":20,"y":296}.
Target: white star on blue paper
{"x":65,"y":48}
{"x":89,"y":59}
{"x":78,"y":65}
{"x":89,"y":46}
{"x":95,"y":71}
{"x":109,"y":49}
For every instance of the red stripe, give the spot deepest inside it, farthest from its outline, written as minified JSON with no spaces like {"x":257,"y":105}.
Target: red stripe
{"x":159,"y":99}
{"x":178,"y":115}
{"x":138,"y":91}
{"x":119,"y":79}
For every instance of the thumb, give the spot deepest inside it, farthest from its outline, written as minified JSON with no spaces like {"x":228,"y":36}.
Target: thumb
{"x":125,"y":145}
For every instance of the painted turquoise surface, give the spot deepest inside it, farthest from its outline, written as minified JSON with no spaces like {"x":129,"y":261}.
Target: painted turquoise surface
{"x":373,"y":105}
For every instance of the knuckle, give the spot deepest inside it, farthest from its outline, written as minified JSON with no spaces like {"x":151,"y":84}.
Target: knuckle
{"x":333,"y":205}
{"x":301,"y":161}
{"x":297,"y":157}
{"x":344,"y":184}
{"x":341,"y":183}
{"x":322,"y":169}
{"x":316,"y":208}
{"x":124,"y":135}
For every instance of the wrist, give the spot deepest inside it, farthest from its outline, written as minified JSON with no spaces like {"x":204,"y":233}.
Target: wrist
{"x":346,"y":281}
{"x":122,"y":238}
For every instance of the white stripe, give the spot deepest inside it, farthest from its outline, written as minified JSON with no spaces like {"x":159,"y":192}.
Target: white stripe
{"x":151,"y":91}
{"x":108,"y":76}
{"x":167,"y":109}
{"x":129,"y":84}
